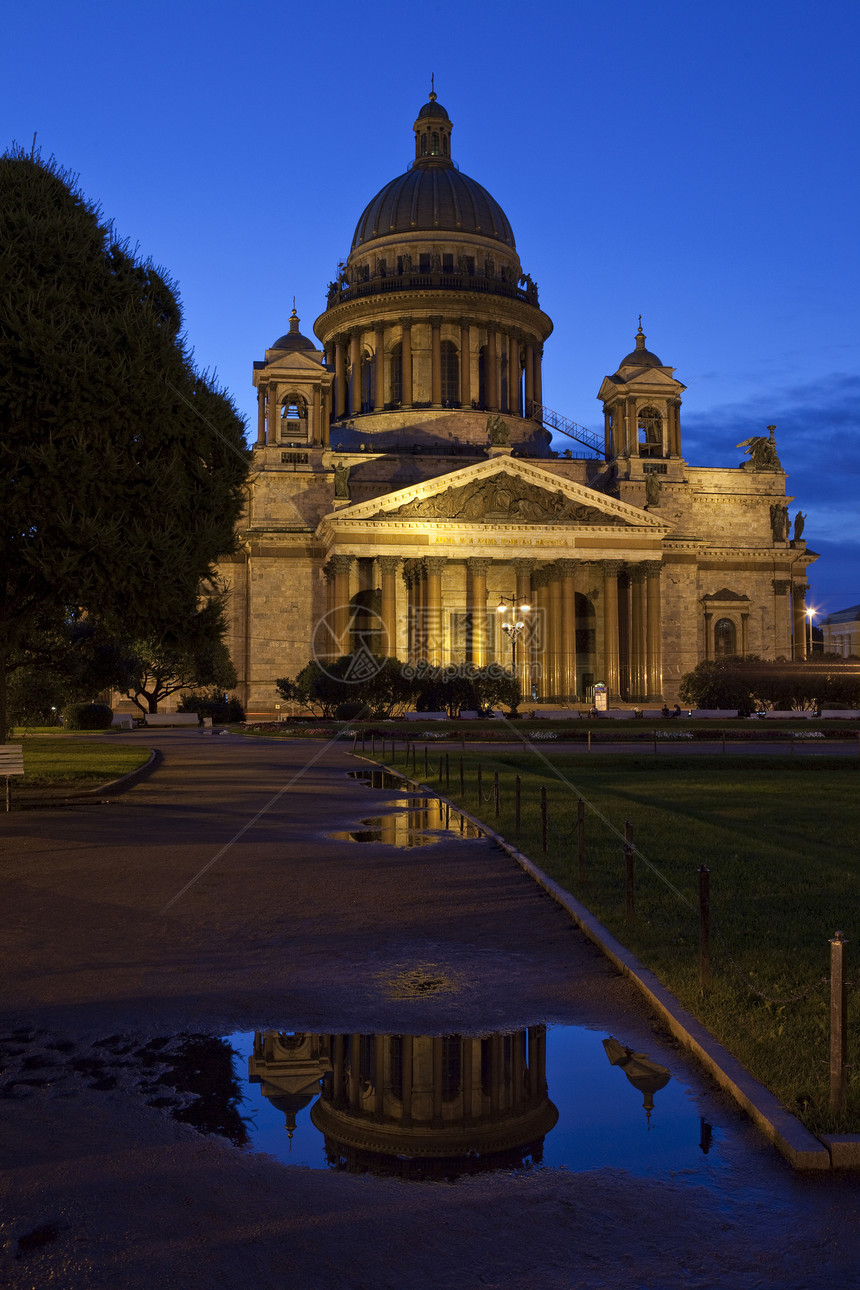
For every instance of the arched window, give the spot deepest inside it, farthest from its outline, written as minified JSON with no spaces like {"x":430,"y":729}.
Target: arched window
{"x":367,"y":382}
{"x":650,"y":433}
{"x":450,"y":375}
{"x":424,"y":144}
{"x":396,"y":373}
{"x":434,"y":144}
{"x":725,"y":638}
{"x":445,"y":144}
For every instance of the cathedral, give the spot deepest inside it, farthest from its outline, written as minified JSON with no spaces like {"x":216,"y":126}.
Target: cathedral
{"x":411,"y":495}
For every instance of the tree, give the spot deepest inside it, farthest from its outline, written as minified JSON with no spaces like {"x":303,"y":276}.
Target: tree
{"x":718,"y":683}
{"x":121,"y":467}
{"x":193,"y":654}
{"x":377,"y":685}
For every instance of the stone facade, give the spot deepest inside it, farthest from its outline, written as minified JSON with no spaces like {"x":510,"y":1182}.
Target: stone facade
{"x":404,"y":488}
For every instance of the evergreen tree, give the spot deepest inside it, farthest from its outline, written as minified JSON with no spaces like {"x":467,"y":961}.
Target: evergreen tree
{"x":121,"y":467}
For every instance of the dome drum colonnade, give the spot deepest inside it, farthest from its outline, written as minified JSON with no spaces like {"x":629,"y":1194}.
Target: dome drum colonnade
{"x":427,"y":311}
{"x":588,"y":619}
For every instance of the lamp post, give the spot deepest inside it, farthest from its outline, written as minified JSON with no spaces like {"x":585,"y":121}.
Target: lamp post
{"x":515,"y":628}
{"x":810,"y":614}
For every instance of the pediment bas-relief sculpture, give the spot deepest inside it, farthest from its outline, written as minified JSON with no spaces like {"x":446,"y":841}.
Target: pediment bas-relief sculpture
{"x":503,"y":499}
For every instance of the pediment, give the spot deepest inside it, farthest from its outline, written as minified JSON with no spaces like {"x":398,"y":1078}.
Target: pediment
{"x":304,"y":361}
{"x":503,"y":490}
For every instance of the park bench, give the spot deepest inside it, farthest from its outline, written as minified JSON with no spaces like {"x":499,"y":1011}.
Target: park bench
{"x":122,"y":721}
{"x":11,"y":763}
{"x":426,"y":716}
{"x":840,"y":714}
{"x":715,"y":714}
{"x":773,"y":715}
{"x":172,"y":719}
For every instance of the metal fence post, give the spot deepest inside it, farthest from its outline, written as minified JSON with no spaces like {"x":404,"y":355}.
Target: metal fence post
{"x":704,"y":926}
{"x":543,"y":820}
{"x":630,"y":894}
{"x":838,"y":1025}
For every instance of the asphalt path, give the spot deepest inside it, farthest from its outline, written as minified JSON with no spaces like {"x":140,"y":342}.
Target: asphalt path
{"x":212,"y":897}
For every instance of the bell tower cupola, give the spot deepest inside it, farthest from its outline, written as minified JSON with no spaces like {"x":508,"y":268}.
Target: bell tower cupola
{"x":642,"y":406}
{"x":432,"y":135}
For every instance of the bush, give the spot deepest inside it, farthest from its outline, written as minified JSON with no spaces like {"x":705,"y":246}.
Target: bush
{"x":347,"y":711}
{"x":87,"y":716}
{"x":211,"y":703}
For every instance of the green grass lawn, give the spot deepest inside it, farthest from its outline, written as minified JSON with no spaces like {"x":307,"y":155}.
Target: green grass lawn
{"x":780,"y":837}
{"x":80,"y":762}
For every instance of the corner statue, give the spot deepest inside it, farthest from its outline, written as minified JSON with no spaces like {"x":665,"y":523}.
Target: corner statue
{"x":761,"y":452}
{"x":341,"y":480}
{"x":498,"y":430}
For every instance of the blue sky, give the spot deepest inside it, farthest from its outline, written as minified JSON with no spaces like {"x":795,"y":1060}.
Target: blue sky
{"x":692,"y":163}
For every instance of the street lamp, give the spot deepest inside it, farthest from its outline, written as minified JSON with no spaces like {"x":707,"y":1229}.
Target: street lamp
{"x":810,"y":614}
{"x":515,"y":628}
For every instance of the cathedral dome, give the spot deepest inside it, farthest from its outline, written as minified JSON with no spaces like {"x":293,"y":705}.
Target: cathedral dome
{"x":433,"y":197}
{"x":640,"y":356}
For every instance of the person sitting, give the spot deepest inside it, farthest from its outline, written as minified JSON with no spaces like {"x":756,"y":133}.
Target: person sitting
{"x":665,"y":710}
{"x":677,"y":711}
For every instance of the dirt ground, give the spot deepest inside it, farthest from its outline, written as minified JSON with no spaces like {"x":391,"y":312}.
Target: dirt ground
{"x":209,"y":897}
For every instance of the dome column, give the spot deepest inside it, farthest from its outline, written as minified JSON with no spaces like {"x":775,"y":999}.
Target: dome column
{"x":406,"y":362}
{"x":538,"y":378}
{"x":515,"y":385}
{"x":530,"y":380}
{"x":355,"y":371}
{"x":261,"y":419}
{"x":339,"y":377}
{"x":436,"y":360}
{"x":465,"y":362}
{"x":378,"y":393}
{"x":492,"y":375}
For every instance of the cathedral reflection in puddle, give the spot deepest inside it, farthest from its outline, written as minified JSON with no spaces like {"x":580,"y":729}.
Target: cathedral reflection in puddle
{"x":414,"y":822}
{"x":438,"y":1107}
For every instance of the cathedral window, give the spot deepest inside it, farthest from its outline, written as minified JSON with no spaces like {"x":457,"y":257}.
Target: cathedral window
{"x":294,"y":417}
{"x":368,"y":368}
{"x":450,"y":375}
{"x":434,"y":144}
{"x":396,"y":374}
{"x":447,"y":263}
{"x":725,"y":638}
{"x":424,"y":262}
{"x":424,"y":144}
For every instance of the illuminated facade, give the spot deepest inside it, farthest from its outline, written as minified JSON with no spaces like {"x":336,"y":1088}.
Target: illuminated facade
{"x":404,"y":480}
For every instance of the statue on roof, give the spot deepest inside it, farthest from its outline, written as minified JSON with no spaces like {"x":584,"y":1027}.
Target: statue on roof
{"x":761,"y":452}
{"x":498,"y":430}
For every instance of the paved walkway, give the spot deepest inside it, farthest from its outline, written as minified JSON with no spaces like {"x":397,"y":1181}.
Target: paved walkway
{"x":210,"y":897}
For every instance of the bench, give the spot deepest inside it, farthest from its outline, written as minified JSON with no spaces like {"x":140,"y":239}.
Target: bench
{"x":772,"y":715}
{"x":426,"y":716}
{"x":172,"y":719}
{"x":11,"y":763}
{"x":716,"y":714}
{"x":840,"y":714}
{"x":122,"y":721}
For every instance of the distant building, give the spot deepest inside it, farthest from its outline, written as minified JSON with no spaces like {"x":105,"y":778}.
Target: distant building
{"x":404,"y":484}
{"x":841,"y":632}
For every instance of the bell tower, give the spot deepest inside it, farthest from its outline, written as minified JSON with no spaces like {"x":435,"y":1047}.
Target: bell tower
{"x":642,"y":407}
{"x":293,"y":393}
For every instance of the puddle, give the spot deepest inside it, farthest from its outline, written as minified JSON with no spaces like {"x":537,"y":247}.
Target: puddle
{"x":414,"y":822}
{"x":380,"y":779}
{"x":423,"y":1107}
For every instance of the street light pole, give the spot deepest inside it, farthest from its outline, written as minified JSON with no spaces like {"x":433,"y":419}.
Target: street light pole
{"x":810,"y":614}
{"x":516,"y":628}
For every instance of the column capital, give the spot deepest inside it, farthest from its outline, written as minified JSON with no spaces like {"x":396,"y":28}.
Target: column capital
{"x":652,"y":568}
{"x":405,"y":322}
{"x":341,"y":563}
{"x":356,"y":332}
{"x":388,"y":564}
{"x":434,"y":564}
{"x":436,"y":320}
{"x":567,"y":568}
{"x":612,"y":568}
{"x":466,"y":322}
{"x":636,"y":572}
{"x":800,"y":589}
{"x":478,"y":565}
{"x":523,"y":566}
